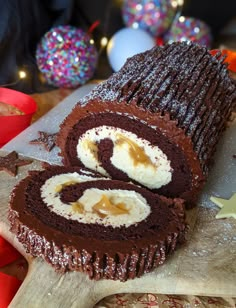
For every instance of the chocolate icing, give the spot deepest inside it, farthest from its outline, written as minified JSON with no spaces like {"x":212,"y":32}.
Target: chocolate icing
{"x":102,"y":252}
{"x":47,"y":140}
{"x":181,"y":83}
{"x":11,"y":162}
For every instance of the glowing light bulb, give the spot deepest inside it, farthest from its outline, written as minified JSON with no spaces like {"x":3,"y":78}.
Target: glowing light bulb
{"x":104,"y":41}
{"x":135,"y":25}
{"x":174,"y":3}
{"x":22,"y":74}
{"x":139,"y":7}
{"x":177,"y":3}
{"x":91,"y":41}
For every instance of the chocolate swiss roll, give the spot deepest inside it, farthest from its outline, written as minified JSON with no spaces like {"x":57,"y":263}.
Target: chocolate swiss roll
{"x":79,"y":221}
{"x":156,"y":122}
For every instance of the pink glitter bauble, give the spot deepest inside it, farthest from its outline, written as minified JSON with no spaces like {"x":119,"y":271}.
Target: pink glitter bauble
{"x":153,"y":16}
{"x":66,"y":56}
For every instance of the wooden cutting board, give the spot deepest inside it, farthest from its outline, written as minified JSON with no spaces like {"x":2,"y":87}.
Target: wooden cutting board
{"x":205,"y":265}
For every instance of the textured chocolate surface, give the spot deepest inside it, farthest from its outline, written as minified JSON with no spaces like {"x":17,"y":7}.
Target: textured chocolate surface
{"x":181,"y":83}
{"x":47,"y":140}
{"x":102,"y":252}
{"x":11,"y":162}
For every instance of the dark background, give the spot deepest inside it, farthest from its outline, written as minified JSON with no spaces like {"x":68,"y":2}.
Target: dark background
{"x":24,"y":22}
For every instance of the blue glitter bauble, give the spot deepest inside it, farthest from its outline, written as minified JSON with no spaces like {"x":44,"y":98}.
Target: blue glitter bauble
{"x":153,"y":16}
{"x":189,"y":29}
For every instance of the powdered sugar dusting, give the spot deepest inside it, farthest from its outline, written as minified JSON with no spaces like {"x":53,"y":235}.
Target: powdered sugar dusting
{"x":182,"y":79}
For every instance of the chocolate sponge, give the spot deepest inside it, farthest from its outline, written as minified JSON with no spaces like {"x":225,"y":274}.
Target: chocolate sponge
{"x":156,"y":122}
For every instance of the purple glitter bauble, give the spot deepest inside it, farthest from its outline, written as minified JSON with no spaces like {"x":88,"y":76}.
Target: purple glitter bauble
{"x":189,"y":29}
{"x":153,"y":16}
{"x":66,"y":56}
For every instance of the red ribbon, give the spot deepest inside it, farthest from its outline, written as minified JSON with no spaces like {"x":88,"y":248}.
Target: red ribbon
{"x":93,"y":26}
{"x":159,"y":41}
{"x":10,"y":126}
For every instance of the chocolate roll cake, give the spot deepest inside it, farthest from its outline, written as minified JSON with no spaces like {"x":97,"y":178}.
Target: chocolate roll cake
{"x":77,"y":220}
{"x":156,"y":122}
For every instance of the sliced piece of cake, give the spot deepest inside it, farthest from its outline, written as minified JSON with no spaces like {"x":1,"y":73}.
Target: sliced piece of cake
{"x":76,"y":220}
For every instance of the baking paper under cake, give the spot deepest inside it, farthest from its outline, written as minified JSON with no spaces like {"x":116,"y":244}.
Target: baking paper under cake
{"x":156,"y":122}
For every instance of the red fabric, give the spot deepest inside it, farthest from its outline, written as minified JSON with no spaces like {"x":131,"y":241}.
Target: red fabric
{"x":8,"y":254}
{"x":230,"y":58}
{"x":8,"y":284}
{"x":8,"y":288}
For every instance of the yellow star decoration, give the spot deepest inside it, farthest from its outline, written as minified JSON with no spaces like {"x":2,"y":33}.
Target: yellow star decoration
{"x":228,"y":207}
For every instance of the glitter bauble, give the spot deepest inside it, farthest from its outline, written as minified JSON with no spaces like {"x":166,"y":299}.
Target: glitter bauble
{"x":126,"y":43}
{"x":189,"y":29}
{"x":66,"y":56}
{"x":154,"y":16}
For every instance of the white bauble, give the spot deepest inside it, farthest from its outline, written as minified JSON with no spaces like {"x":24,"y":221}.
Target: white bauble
{"x":126,"y":43}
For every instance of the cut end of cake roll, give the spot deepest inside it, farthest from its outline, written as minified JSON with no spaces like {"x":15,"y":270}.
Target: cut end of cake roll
{"x":79,"y":221}
{"x":127,"y":143}
{"x":156,"y":122}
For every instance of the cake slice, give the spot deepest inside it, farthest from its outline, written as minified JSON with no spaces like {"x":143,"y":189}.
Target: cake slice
{"x":79,"y":221}
{"x":156,"y":122}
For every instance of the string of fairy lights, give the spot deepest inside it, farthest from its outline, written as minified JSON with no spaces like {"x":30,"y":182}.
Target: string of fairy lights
{"x":22,"y":74}
{"x":102,"y":40}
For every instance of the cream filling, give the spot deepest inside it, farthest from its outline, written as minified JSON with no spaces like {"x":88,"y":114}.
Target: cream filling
{"x":136,"y":205}
{"x":153,"y":175}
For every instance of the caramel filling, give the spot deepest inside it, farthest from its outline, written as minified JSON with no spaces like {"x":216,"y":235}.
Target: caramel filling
{"x":77,"y":207}
{"x":92,"y":147}
{"x":59,"y":187}
{"x":105,"y":207}
{"x":136,"y":152}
